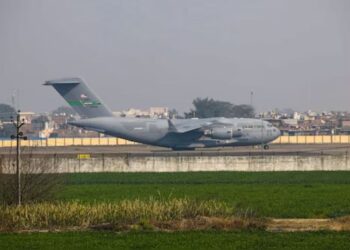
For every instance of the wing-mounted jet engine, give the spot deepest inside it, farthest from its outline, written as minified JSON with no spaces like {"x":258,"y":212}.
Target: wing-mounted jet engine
{"x":223,"y":132}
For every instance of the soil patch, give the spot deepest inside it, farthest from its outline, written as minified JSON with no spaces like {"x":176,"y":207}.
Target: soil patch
{"x":302,"y":225}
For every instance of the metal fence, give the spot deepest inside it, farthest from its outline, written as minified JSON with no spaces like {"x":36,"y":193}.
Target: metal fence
{"x":61,"y":142}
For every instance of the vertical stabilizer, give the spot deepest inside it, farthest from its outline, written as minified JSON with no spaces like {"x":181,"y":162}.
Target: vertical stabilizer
{"x":80,"y":97}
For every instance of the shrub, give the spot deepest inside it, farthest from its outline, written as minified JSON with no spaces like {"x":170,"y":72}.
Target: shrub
{"x":39,"y":178}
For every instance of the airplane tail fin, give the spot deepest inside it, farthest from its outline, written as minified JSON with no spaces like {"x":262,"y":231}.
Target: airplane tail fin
{"x":80,"y":97}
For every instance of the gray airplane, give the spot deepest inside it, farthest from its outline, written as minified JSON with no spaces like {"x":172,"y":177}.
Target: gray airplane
{"x":178,"y":134}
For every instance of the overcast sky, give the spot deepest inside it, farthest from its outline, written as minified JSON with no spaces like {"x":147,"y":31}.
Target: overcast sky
{"x":291,"y":53}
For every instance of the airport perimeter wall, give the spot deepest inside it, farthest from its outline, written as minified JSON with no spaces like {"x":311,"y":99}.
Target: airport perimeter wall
{"x":105,"y":141}
{"x":198,"y":162}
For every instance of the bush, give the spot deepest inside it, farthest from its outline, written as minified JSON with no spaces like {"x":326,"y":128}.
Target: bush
{"x":39,"y":178}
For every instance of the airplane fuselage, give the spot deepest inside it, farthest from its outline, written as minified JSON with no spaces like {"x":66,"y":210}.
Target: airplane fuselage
{"x":176,"y":134}
{"x":212,"y":132}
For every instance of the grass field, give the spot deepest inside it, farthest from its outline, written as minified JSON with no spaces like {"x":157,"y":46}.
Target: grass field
{"x":277,"y":194}
{"x":183,"y":240}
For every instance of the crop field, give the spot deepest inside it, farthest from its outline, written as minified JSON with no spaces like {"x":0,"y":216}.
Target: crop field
{"x":277,"y":194}
{"x":179,"y":240}
{"x":265,"y":195}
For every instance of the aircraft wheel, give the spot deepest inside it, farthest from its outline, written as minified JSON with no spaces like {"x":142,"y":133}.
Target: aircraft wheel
{"x":266,"y":147}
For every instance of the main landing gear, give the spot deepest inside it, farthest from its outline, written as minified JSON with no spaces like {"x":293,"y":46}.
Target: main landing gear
{"x":266,"y":147}
{"x":183,"y":149}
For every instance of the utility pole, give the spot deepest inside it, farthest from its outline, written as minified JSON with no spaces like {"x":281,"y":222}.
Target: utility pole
{"x":19,"y":136}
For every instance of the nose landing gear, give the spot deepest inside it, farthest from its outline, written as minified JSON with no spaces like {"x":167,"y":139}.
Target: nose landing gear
{"x":266,"y":147}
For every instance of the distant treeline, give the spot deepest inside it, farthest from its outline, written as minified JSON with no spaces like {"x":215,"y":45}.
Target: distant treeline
{"x":208,"y":107}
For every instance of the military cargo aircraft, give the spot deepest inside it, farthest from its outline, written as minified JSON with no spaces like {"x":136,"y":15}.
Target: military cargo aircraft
{"x":178,"y":134}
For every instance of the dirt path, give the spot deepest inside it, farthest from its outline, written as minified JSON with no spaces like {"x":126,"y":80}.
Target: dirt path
{"x":210,"y":223}
{"x":302,"y":225}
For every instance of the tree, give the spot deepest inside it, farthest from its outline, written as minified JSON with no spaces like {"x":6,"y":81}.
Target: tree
{"x":7,"y":113}
{"x":208,"y":107}
{"x":6,"y":130}
{"x":244,"y":111}
{"x":173,"y":113}
{"x":39,"y":178}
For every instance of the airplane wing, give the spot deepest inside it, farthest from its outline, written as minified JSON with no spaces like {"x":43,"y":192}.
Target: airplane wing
{"x":187,"y":126}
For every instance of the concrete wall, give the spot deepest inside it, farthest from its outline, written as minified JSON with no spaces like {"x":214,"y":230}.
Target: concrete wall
{"x":134,"y":163}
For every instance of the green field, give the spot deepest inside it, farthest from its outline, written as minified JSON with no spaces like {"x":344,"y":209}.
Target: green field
{"x":277,"y":194}
{"x":182,"y":240}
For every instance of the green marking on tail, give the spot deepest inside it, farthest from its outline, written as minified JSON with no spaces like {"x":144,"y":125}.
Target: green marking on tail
{"x":84,"y":103}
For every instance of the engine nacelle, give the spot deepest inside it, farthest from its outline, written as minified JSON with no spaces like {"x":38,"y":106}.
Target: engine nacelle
{"x":224,"y":133}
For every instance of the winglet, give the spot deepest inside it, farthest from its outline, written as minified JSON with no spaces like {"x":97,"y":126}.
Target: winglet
{"x":172,"y":127}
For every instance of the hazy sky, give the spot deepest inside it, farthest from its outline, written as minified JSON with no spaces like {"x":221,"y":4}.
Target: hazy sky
{"x":291,"y":53}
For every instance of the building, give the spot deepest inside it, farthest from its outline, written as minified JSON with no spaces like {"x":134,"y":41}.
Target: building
{"x":152,"y":112}
{"x":27,"y":117}
{"x":42,"y":126}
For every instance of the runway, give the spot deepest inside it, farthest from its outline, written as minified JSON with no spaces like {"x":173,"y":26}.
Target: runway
{"x":144,"y":150}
